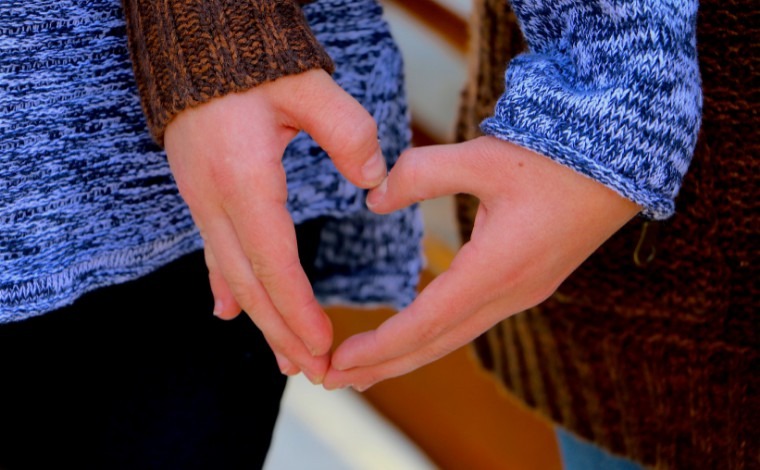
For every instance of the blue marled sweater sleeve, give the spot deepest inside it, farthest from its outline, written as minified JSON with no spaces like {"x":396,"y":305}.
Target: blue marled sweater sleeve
{"x":610,"y":88}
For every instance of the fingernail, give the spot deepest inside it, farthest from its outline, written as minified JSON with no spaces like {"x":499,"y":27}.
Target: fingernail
{"x":340,"y":387}
{"x":286,"y":367}
{"x":218,"y":308}
{"x":337,"y":366}
{"x":374,"y":170}
{"x":331,"y":387}
{"x":316,"y":380}
{"x":289,"y":370}
{"x":360,"y":388}
{"x":376,"y":195}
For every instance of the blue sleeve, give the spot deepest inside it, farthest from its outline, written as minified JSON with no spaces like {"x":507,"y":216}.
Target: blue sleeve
{"x":610,"y":88}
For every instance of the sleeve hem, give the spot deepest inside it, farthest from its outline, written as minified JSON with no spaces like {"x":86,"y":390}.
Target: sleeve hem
{"x":184,"y":54}
{"x":655,"y":206}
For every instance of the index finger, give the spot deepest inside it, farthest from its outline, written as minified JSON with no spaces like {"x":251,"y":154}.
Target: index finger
{"x":273,"y":250}
{"x":444,"y":304}
{"x":268,"y":238}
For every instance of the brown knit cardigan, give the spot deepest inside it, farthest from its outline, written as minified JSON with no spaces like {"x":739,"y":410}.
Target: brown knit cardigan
{"x":186,"y":52}
{"x":650,"y":349}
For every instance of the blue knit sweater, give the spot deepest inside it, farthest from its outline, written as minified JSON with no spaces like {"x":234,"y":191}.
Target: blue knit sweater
{"x":610,"y":88}
{"x":87,"y":199}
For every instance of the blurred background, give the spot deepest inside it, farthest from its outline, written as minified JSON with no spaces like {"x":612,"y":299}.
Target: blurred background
{"x":447,"y":415}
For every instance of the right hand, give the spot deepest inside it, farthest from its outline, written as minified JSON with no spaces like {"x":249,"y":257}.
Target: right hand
{"x":226,"y":156}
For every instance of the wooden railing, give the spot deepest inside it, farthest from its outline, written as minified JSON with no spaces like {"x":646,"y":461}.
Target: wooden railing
{"x":437,"y":19}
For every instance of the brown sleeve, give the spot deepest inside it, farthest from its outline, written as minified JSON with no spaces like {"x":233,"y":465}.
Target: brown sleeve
{"x":185,"y":52}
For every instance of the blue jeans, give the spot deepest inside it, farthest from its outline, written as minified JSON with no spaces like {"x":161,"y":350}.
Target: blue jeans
{"x":578,"y":454}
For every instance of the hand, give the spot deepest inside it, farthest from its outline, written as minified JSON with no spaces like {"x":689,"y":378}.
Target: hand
{"x":537,"y":221}
{"x":226,"y":156}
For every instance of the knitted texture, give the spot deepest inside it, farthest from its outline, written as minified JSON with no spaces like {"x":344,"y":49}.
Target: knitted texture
{"x":186,"y":52}
{"x":609,"y":88}
{"x":650,"y":348}
{"x":87,"y":198}
{"x":364,"y":259}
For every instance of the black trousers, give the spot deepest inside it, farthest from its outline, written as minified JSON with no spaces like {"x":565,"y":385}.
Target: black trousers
{"x":140,"y":376}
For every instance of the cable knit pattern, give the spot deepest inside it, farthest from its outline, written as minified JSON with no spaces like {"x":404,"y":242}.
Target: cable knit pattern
{"x":610,"y":88}
{"x":87,"y":199}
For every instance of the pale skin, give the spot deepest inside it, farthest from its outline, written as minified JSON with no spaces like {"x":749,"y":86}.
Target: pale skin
{"x":538,"y":220}
{"x":226,"y":156}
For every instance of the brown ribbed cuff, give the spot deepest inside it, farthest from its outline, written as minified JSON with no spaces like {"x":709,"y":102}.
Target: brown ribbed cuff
{"x":186,"y":52}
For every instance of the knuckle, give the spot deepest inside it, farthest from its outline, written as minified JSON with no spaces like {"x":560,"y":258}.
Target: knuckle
{"x":414,"y":174}
{"x":272,"y":275}
{"x":355,"y":131}
{"x":409,"y":173}
{"x":308,"y":304}
{"x":245,"y":295}
{"x":431,"y":331}
{"x":431,"y":354}
{"x":364,"y":127}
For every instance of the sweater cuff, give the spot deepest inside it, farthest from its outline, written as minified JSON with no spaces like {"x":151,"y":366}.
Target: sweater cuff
{"x":613,"y":93}
{"x":186,"y":53}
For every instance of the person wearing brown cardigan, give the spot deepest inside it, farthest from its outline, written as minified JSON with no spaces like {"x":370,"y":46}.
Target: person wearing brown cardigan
{"x":650,"y":348}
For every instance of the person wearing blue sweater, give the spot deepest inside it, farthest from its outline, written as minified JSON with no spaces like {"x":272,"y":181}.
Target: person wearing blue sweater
{"x":101,"y":232}
{"x":110,"y":355}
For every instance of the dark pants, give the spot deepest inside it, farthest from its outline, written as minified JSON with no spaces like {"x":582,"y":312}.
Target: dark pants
{"x":139,"y":376}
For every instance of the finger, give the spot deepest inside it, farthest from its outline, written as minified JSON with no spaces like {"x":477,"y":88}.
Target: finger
{"x":225,"y":305}
{"x":492,"y":265}
{"x":442,"y":305}
{"x":483,"y":167}
{"x":249,"y":292}
{"x":286,"y":367}
{"x":341,"y":126}
{"x":291,"y":354}
{"x":432,"y":314}
{"x":362,"y":378}
{"x":283,"y":363}
{"x":254,"y":203}
{"x":429,"y":172}
{"x":269,"y":241}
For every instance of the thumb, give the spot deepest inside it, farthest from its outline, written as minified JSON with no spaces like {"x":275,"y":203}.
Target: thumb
{"x":429,"y":172}
{"x":340,"y":125}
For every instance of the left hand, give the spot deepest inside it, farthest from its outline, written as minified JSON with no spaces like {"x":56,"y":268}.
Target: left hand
{"x":537,"y":222}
